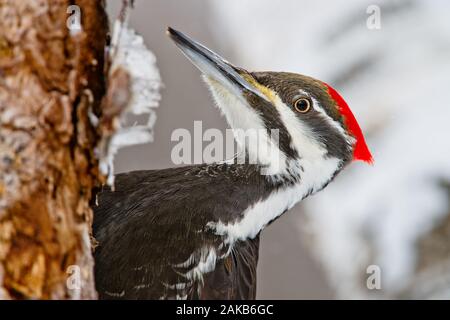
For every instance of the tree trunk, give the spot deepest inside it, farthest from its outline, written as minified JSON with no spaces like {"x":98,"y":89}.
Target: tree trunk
{"x":51,"y":85}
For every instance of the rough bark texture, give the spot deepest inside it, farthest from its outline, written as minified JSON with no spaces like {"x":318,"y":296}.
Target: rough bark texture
{"x":50,"y":79}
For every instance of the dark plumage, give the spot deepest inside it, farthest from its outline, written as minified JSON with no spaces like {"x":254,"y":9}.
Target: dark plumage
{"x":152,"y":222}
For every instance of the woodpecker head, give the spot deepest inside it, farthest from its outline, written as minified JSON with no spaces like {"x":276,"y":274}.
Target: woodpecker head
{"x":305,"y":124}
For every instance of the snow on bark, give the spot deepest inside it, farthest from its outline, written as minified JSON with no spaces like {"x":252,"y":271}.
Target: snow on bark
{"x":133,"y":89}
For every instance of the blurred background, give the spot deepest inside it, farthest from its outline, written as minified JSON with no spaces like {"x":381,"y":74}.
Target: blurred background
{"x":394,"y":72}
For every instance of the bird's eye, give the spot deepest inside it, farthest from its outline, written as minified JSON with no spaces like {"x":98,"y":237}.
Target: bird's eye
{"x":302,"y":105}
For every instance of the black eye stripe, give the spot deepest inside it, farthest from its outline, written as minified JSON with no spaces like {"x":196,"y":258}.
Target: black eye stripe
{"x":287,"y":85}
{"x":291,"y":87}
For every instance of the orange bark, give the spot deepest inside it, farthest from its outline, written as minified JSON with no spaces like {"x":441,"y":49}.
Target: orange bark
{"x":50,"y":80}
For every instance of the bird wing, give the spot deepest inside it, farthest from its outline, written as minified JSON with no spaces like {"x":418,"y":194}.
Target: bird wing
{"x":152,"y":238}
{"x":234,"y":277}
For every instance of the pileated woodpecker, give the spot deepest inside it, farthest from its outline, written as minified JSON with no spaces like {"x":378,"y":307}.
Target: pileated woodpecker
{"x":193,"y":232}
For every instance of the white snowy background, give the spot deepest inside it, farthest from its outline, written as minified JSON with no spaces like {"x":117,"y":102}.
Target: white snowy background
{"x":397,"y":82}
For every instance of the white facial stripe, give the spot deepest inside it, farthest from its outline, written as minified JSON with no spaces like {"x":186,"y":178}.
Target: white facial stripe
{"x":250,"y":131}
{"x":333,"y":123}
{"x":302,"y":137}
{"x":317,"y":168}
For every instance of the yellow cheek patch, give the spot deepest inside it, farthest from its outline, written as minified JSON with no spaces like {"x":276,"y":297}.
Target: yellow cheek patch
{"x":268,"y":93}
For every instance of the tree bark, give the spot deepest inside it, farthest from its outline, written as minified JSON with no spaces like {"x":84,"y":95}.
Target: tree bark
{"x":51,"y":82}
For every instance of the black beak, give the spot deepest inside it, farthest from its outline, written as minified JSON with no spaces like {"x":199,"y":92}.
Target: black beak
{"x":212,"y":65}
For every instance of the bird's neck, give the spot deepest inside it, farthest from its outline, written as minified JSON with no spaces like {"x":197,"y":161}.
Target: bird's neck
{"x":283,"y":192}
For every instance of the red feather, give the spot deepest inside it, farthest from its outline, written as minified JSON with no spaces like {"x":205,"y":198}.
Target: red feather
{"x":360,"y":149}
